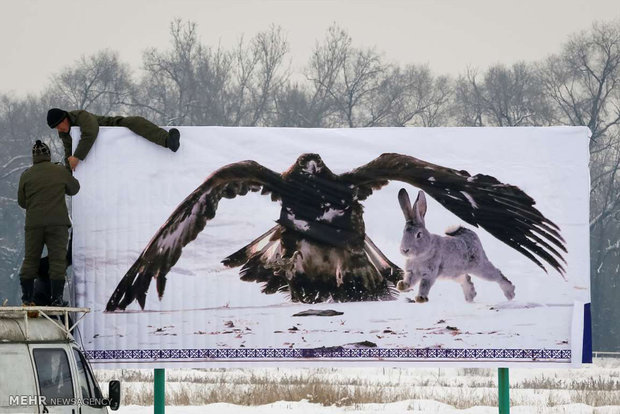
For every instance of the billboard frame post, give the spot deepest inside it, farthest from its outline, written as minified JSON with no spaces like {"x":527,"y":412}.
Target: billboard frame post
{"x":503,"y":388}
{"x":159,"y":391}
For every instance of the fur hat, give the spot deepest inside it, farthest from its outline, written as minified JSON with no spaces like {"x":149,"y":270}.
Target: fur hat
{"x":55,"y":116}
{"x":41,"y":152}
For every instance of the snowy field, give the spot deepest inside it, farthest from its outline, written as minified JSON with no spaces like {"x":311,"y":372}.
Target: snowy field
{"x":592,"y":389}
{"x":207,"y":306}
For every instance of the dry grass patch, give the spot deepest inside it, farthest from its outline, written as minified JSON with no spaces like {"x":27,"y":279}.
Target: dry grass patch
{"x":461,"y":388}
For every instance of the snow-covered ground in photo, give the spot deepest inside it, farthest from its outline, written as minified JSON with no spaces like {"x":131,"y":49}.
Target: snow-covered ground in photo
{"x":130,"y":187}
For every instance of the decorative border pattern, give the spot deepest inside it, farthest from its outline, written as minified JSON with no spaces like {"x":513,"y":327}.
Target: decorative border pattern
{"x":335,"y":352}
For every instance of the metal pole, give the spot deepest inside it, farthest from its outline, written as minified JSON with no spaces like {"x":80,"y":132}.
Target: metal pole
{"x":503,"y":386}
{"x":159,"y":396}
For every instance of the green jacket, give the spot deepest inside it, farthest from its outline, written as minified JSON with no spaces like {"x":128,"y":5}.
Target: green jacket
{"x":89,"y":125}
{"x":42,"y":190}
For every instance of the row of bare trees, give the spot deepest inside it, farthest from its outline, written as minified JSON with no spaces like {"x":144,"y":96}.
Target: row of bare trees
{"x":342,"y":85}
{"x":191,"y":83}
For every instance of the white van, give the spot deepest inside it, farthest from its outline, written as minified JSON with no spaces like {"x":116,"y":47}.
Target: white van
{"x":42,"y":368}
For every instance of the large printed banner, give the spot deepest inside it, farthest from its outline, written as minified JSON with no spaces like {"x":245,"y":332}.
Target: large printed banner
{"x":464,"y":246}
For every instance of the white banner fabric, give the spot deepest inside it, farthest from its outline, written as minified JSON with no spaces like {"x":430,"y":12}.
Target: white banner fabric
{"x":207,"y":316}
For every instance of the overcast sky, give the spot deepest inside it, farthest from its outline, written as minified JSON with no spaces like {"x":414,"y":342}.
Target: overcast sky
{"x":38,"y":37}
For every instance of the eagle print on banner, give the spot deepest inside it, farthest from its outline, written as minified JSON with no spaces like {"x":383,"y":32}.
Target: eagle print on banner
{"x":319,"y":249}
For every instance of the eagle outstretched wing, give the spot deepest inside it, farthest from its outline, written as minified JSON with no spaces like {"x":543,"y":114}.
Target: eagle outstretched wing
{"x":504,"y":210}
{"x":183,"y":226}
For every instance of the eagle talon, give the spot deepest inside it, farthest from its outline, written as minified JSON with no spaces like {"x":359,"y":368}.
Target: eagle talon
{"x":284,"y":266}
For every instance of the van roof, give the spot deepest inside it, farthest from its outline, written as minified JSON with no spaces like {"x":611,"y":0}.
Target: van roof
{"x":14,"y":329}
{"x":16,"y":326}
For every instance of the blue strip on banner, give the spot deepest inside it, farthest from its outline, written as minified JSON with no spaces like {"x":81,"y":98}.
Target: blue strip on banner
{"x":553,"y":355}
{"x":587,"y":335}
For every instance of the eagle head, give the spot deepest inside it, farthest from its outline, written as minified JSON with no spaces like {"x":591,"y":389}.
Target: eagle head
{"x":309,"y":163}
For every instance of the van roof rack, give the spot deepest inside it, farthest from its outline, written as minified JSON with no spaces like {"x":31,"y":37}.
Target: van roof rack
{"x":47,"y":311}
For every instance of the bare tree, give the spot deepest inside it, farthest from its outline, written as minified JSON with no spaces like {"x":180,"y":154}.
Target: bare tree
{"x":583,"y":80}
{"x":260,"y":74}
{"x":293,"y":108}
{"x":411,"y":96}
{"x":512,"y":96}
{"x":343,"y":80}
{"x":323,"y":70}
{"x":213,"y":100}
{"x":99,"y":83}
{"x":605,"y":203}
{"x":361,"y":75}
{"x":469,"y":105}
{"x":363,"y":91}
{"x":502,"y":97}
{"x":169,"y":88}
{"x":194,"y":84}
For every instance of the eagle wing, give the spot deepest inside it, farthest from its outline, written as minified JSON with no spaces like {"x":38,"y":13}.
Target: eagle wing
{"x":183,"y":226}
{"x":503,"y":210}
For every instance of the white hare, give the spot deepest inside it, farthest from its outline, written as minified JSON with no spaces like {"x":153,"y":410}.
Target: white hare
{"x":454,"y":256}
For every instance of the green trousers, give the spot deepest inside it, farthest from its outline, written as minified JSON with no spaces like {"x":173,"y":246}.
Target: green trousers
{"x":55,"y":238}
{"x":138,"y":126}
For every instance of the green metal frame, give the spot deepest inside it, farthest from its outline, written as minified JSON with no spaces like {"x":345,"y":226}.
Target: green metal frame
{"x":159,"y":395}
{"x":503,"y":387}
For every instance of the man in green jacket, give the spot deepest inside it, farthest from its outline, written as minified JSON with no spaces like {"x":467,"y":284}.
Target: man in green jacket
{"x":41,"y":192}
{"x":89,"y":125}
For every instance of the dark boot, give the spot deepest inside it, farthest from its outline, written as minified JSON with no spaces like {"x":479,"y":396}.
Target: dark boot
{"x":27,"y":291}
{"x":42,"y":292}
{"x":58,"y":288}
{"x":173,"y":141}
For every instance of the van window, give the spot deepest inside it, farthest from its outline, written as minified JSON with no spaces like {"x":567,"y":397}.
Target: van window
{"x":54,"y":375}
{"x":87,"y":383}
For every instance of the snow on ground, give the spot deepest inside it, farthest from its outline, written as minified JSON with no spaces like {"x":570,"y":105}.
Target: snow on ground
{"x":413,"y":407}
{"x":592,"y":389}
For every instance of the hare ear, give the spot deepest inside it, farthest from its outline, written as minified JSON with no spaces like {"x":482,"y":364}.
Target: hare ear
{"x":405,"y":204}
{"x":419,"y":207}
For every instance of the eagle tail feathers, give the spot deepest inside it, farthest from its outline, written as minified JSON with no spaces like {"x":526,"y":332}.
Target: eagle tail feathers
{"x":259,"y":244}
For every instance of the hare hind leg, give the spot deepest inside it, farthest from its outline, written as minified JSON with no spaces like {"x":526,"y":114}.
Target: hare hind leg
{"x":468,"y":287}
{"x":489,"y":272}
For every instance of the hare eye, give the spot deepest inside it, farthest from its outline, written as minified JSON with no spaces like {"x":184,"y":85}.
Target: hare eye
{"x":417,"y":236}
